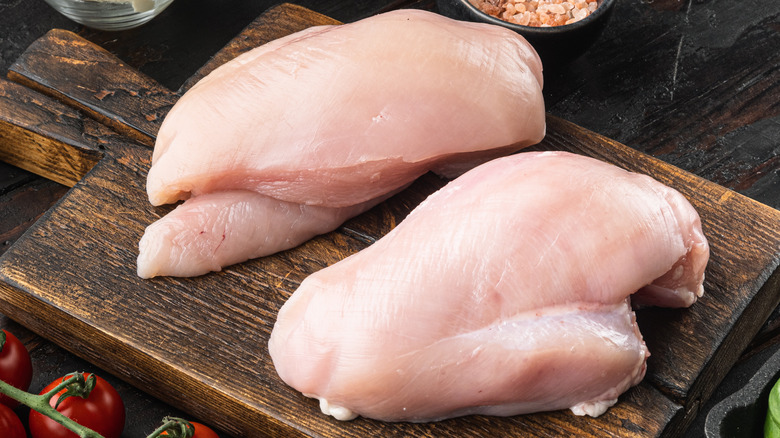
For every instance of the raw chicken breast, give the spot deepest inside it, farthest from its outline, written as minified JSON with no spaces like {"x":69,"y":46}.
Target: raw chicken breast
{"x":210,"y":231}
{"x":335,"y":117}
{"x":506,"y":292}
{"x":339,"y":115}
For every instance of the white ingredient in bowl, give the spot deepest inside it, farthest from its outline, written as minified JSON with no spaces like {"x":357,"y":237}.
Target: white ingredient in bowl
{"x":138,"y":5}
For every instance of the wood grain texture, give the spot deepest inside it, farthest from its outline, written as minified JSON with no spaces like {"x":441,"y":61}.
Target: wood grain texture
{"x":23,"y":200}
{"x":42,"y":136}
{"x":60,"y":59}
{"x":695,"y":84}
{"x":72,"y":277}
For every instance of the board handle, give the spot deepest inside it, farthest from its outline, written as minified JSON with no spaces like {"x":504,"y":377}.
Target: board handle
{"x":81,"y":74}
{"x":46,"y":137}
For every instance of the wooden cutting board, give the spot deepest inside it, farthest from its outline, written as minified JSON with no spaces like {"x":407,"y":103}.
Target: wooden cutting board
{"x":77,"y":115}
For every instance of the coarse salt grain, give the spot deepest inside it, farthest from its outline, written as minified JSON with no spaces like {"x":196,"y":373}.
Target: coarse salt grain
{"x":538,"y":13}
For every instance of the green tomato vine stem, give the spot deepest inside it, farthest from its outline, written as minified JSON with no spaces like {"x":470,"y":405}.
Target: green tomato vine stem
{"x":41,"y":404}
{"x":173,"y":426}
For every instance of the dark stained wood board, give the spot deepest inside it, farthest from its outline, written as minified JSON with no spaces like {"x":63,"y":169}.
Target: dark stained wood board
{"x":201,"y":343}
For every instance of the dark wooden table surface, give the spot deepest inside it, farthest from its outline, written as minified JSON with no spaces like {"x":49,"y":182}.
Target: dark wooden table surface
{"x":696,"y":84}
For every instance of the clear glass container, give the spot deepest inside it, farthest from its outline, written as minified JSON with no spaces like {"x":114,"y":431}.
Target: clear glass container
{"x":110,"y":14}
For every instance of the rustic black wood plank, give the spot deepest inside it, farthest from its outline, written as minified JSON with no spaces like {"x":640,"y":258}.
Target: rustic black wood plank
{"x":23,"y":204}
{"x":696,"y":84}
{"x":12,"y":177}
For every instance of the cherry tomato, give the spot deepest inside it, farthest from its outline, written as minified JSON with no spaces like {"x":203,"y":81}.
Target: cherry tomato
{"x":102,"y":411}
{"x":201,"y":431}
{"x":10,"y":425}
{"x":15,"y":367}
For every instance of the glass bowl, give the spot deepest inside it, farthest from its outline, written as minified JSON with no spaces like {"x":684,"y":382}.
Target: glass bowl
{"x":110,"y":14}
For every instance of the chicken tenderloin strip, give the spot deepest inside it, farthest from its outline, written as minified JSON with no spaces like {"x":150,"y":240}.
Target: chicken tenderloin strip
{"x":214,"y":230}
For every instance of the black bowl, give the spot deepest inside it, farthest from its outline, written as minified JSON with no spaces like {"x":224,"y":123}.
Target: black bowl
{"x":742,"y":414}
{"x":556,"y":45}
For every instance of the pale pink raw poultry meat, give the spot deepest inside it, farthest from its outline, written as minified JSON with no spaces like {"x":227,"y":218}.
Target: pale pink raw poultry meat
{"x":506,"y":292}
{"x":336,"y":116}
{"x":342,"y":114}
{"x":214,"y":230}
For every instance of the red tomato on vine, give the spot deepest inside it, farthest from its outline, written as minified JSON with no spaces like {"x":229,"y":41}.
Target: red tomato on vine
{"x":102,"y":411}
{"x":200,"y":431}
{"x":15,"y":366}
{"x":10,"y":425}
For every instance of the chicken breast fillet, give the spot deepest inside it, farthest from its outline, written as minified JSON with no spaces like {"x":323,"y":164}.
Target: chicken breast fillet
{"x":333,"y":117}
{"x":506,"y":292}
{"x":339,"y":115}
